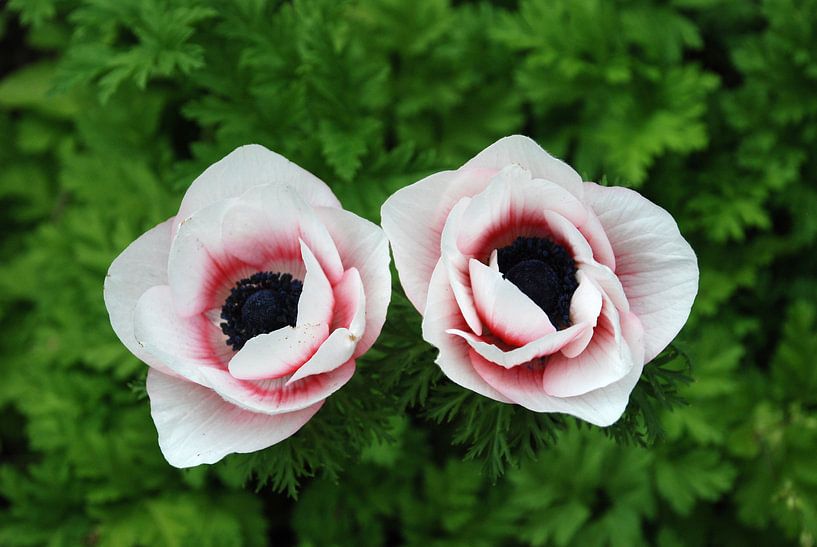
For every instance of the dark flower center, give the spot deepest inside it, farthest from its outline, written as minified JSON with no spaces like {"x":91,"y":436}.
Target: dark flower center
{"x":543,"y":270}
{"x":259,"y":304}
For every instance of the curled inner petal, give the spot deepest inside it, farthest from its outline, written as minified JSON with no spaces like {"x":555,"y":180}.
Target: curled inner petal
{"x":544,"y":271}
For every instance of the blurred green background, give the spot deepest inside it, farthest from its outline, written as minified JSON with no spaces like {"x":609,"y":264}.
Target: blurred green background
{"x":109,"y":108}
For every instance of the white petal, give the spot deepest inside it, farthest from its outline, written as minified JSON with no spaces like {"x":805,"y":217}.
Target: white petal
{"x":200,"y":270}
{"x":541,"y":347}
{"x":657,"y":267}
{"x":350,"y":321}
{"x":493,"y":261}
{"x":456,"y":265}
{"x":276,"y":396}
{"x":278,"y":353}
{"x":362,"y":245}
{"x":521,"y":150}
{"x":196,"y":426}
{"x":282,"y":352}
{"x":335,"y":351}
{"x":142,"y":265}
{"x":585,"y":307}
{"x":248,"y":166}
{"x":317,"y":298}
{"x":266,"y":224}
{"x":608,"y":282}
{"x":606,"y":359}
{"x":515,"y":205}
{"x":442,"y":314}
{"x":508,"y":312}
{"x":350,"y":303}
{"x":523,"y":385}
{"x":185,"y":345}
{"x":594,"y":233}
{"x":565,"y":233}
{"x":413,"y":219}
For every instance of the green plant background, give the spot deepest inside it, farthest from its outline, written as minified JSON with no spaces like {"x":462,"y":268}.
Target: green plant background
{"x":109,"y":108}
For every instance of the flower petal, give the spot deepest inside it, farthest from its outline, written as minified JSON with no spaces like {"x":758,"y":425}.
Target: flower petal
{"x":521,"y":150}
{"x":508,"y":312}
{"x":196,"y":426}
{"x":442,"y":314}
{"x":200,"y":270}
{"x":456,"y":265}
{"x":606,"y":359}
{"x":523,"y":385}
{"x":413,"y":219}
{"x":594,"y":233}
{"x":362,"y":245}
{"x":541,"y":347}
{"x":283,"y":351}
{"x":317,"y":298}
{"x":266,"y":224}
{"x":248,"y":166}
{"x":142,"y":265}
{"x":514,"y":205}
{"x":349,"y":321}
{"x":585,"y":307}
{"x":657,"y":267}
{"x":276,"y":395}
{"x":350,"y":303}
{"x":185,"y":345}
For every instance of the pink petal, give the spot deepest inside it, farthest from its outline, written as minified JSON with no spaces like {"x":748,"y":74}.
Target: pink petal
{"x":565,"y":233}
{"x":350,"y":303}
{"x":523,"y":385}
{"x":362,"y":245}
{"x":633,"y":333}
{"x":606,"y":359}
{"x":185,"y":345}
{"x":608,"y":282}
{"x":248,"y":166}
{"x":413,"y":219}
{"x":317,"y":298}
{"x":278,"y":353}
{"x":335,"y":351}
{"x":349,"y":321}
{"x":657,"y":267}
{"x":282,"y":352}
{"x":442,"y":314}
{"x":456,"y":265}
{"x":585,"y":307}
{"x":521,"y":150}
{"x":267,"y":222}
{"x":277,"y":396}
{"x":508,"y":312}
{"x":200,"y":270}
{"x":513,"y":205}
{"x":142,"y":265}
{"x":594,"y":233}
{"x":541,"y":347}
{"x":196,"y":426}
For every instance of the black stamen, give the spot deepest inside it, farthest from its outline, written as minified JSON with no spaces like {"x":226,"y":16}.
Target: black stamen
{"x":259,"y":304}
{"x":543,"y":270}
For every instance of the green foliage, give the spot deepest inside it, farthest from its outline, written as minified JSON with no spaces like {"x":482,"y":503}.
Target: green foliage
{"x":109,"y":108}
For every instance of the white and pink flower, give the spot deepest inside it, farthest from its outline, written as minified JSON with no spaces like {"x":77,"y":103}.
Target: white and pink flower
{"x":250,"y":305}
{"x":537,"y":288}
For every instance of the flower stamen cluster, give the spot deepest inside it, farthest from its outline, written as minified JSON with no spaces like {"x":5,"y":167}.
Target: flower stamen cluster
{"x":260,"y":304}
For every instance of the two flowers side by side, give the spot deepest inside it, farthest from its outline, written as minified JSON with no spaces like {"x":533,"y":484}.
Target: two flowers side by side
{"x":251,"y":305}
